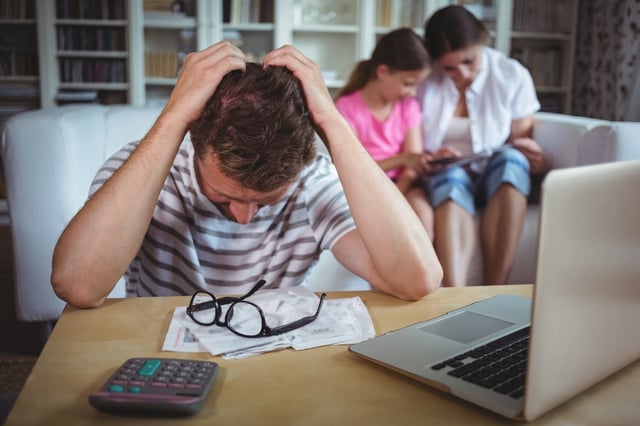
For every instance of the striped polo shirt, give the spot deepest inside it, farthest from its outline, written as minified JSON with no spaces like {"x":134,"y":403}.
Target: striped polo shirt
{"x":190,"y":245}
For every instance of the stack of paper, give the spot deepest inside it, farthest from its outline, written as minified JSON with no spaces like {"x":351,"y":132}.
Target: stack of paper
{"x":341,"y":321}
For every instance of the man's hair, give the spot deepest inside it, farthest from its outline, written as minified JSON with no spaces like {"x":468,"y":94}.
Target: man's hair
{"x":258,"y":127}
{"x":453,"y":28}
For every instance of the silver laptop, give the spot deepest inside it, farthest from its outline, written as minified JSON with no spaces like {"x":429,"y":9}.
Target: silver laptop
{"x":582,"y":317}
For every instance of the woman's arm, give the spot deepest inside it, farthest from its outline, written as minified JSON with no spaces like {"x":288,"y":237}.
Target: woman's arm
{"x":521,"y":138}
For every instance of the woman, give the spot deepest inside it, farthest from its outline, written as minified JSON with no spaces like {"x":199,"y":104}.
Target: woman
{"x":477,"y":100}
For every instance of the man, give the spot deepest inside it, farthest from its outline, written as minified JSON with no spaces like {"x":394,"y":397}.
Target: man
{"x":171,"y":214}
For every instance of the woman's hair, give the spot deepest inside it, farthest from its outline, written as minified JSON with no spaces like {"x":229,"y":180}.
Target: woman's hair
{"x":453,"y":28}
{"x":258,"y":127}
{"x":400,"y":50}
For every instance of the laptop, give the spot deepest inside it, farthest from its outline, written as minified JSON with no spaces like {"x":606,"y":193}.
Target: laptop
{"x":583,"y":316}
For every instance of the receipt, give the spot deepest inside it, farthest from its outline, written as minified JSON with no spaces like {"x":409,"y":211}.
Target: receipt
{"x":341,"y":321}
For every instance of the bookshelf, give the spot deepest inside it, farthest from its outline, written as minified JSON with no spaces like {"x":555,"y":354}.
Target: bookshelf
{"x":542,"y":38}
{"x":130,"y":51}
{"x":91,"y":62}
{"x":19,"y":62}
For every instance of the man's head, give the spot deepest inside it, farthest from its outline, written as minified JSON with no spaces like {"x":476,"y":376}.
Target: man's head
{"x":256,"y":129}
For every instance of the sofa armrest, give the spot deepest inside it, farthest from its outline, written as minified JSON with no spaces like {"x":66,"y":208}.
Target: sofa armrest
{"x":50,"y":157}
{"x":618,"y":141}
{"x":559,"y":135}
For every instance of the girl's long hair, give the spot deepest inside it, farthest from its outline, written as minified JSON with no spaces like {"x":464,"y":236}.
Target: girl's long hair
{"x":400,"y":50}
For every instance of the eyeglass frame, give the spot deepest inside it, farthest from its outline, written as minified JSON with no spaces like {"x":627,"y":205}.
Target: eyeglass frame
{"x":265,"y":330}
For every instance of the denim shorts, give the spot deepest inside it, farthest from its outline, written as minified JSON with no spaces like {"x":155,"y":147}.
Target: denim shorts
{"x":472,"y":189}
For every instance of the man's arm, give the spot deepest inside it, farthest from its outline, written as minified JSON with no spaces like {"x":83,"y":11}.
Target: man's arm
{"x":100,"y":242}
{"x":390,"y":248}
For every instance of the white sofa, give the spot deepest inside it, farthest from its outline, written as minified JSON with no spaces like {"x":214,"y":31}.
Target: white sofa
{"x":50,"y":157}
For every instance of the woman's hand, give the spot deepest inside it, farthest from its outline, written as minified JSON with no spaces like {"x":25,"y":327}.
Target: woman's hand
{"x":533,"y":151}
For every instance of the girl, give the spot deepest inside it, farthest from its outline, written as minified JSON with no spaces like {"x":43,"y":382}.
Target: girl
{"x":379,"y":103}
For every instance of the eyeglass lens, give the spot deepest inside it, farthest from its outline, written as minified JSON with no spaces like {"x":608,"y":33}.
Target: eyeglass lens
{"x":242,"y":318}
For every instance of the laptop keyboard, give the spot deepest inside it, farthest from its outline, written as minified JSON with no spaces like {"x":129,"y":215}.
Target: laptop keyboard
{"x":499,"y":365}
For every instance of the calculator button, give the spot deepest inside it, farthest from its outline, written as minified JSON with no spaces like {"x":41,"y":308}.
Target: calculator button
{"x":116,"y":388}
{"x":149,"y":368}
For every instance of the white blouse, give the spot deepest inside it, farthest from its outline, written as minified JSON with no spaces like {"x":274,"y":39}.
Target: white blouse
{"x":502,"y":91}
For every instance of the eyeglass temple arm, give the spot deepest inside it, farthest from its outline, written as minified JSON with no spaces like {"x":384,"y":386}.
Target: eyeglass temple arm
{"x":231,"y":299}
{"x":302,"y":321}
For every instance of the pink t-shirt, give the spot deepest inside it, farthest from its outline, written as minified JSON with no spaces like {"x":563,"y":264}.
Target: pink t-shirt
{"x":382,"y":139}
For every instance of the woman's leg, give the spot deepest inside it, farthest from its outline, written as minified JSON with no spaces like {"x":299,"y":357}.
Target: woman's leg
{"x":451,"y":195}
{"x":455,"y":239}
{"x":506,"y":184}
{"x":500,"y":231}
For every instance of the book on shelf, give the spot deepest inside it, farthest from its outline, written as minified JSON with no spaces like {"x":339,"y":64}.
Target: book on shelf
{"x":551,"y":103}
{"x":85,"y":70}
{"x":247,"y":11}
{"x":400,"y":13}
{"x":163,"y":64}
{"x":90,"y":38}
{"x":178,"y":7}
{"x":19,"y":91}
{"x":91,"y":9}
{"x":544,"y":16}
{"x":544,"y":63}
{"x":17,"y":9}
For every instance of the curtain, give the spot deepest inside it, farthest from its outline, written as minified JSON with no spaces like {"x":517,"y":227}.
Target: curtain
{"x":607,"y":66}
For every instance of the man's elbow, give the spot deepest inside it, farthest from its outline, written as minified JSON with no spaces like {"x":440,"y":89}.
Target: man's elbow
{"x":66,"y":287}
{"x":424,"y":283}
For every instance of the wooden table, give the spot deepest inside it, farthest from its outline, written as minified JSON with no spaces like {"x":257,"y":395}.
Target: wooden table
{"x":320,"y":386}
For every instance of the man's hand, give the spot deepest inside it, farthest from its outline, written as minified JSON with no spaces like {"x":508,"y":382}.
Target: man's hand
{"x":319,"y":101}
{"x":201,"y":73}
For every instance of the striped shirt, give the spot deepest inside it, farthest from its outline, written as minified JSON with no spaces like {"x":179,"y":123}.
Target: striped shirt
{"x":190,"y":245}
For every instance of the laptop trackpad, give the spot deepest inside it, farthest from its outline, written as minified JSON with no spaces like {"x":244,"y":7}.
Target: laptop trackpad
{"x":465,"y":326}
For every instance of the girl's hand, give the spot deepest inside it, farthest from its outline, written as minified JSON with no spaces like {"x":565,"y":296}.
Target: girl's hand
{"x":417,"y":162}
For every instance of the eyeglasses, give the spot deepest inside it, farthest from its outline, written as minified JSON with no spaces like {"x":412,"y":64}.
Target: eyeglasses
{"x":243,"y":317}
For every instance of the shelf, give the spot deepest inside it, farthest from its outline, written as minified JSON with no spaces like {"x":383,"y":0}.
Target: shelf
{"x":527,"y":35}
{"x":170,"y":22}
{"x":318,"y":28}
{"x":17,"y":21}
{"x":249,"y":27}
{"x":160,"y":81}
{"x":19,"y":78}
{"x":553,"y":89}
{"x":91,"y":22}
{"x":94,"y":85}
{"x":99,"y":54}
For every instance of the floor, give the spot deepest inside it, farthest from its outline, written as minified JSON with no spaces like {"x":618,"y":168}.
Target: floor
{"x":20,"y":342}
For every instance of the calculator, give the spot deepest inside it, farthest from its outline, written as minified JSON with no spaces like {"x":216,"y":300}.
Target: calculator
{"x":160,"y":386}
